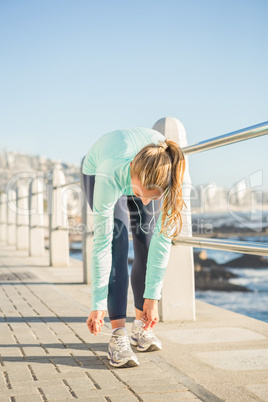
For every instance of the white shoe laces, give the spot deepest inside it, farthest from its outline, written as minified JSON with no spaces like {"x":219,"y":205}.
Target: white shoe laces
{"x":122,"y":342}
{"x":144,"y":333}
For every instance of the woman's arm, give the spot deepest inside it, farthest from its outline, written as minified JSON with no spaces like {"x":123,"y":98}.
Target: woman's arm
{"x":105,"y":197}
{"x":150,"y":313}
{"x":157,"y":262}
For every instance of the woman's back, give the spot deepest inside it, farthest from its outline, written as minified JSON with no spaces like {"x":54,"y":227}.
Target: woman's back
{"x":119,"y":144}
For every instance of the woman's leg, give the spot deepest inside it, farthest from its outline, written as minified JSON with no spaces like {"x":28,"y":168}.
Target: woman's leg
{"x":141,"y":243}
{"x":119,"y":278}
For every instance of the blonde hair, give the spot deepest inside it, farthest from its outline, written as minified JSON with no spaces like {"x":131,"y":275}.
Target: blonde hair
{"x":163,"y":166}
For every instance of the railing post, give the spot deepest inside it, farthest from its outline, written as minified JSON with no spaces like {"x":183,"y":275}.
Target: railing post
{"x":58,"y":221}
{"x":22,"y":217}
{"x":178,"y":294}
{"x":3,"y":218}
{"x":11,"y":217}
{"x":36,"y":219}
{"x":87,"y":234}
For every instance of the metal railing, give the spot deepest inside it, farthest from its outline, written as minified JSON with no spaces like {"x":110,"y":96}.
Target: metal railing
{"x":245,"y":247}
{"x":216,"y":142}
{"x":235,"y":136}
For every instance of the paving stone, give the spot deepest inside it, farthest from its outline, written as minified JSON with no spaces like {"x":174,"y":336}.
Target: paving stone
{"x":71,"y":374}
{"x":20,"y":375}
{"x":64,"y":362}
{"x":80,"y":350}
{"x":2,"y":380}
{"x":141,"y":372}
{"x":135,"y":382}
{"x":106,"y":379}
{"x":43,"y":371}
{"x":169,"y":396}
{"x":59,"y":351}
{"x":56,"y":391}
{"x":89,"y":361}
{"x":11,"y":351}
{"x":159,"y":388}
{"x":136,"y":375}
{"x":123,"y":398}
{"x":19,"y":391}
{"x":25,"y":337}
{"x":27,"y":398}
{"x":34,"y":351}
{"x":111,"y":391}
{"x":81,"y":386}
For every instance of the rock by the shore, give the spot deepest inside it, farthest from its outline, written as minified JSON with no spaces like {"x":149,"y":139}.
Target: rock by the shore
{"x":217,"y":279}
{"x":222,"y":286}
{"x":247,"y":261}
{"x":209,"y":275}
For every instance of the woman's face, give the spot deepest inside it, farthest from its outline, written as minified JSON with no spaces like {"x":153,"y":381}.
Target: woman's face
{"x":145,"y":195}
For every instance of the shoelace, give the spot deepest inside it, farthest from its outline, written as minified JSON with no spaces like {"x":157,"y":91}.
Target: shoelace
{"x":122,"y":342}
{"x":111,"y":334}
{"x":146,"y":334}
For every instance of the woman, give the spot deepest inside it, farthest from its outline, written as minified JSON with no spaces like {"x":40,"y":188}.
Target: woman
{"x":139,"y":171}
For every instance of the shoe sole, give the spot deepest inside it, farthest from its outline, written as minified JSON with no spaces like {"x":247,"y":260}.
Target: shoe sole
{"x":133,"y":343}
{"x":128,"y":364}
{"x":152,"y":348}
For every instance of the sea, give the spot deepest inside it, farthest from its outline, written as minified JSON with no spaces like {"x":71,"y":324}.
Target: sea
{"x":252,"y":304}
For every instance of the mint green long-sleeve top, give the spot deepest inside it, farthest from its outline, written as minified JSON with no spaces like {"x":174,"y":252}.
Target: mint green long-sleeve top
{"x":109,"y":160}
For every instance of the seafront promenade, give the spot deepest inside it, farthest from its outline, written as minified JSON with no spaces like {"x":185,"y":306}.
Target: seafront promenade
{"x":47,"y":352}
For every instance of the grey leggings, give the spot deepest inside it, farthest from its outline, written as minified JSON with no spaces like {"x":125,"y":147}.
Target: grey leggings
{"x":119,"y":276}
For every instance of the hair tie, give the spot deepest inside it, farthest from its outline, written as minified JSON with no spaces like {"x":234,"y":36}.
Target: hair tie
{"x":164,"y":145}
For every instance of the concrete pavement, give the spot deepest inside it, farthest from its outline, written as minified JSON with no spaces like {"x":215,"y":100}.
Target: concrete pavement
{"x":47,"y":352}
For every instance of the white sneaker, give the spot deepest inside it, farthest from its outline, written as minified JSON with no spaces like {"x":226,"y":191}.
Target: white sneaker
{"x":146,"y":341}
{"x":120,"y":353}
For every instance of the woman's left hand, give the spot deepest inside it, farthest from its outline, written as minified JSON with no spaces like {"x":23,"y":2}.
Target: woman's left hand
{"x":150,"y":313}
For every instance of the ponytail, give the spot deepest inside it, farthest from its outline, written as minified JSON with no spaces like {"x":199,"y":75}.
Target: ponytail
{"x":173,"y":201}
{"x":163,"y":166}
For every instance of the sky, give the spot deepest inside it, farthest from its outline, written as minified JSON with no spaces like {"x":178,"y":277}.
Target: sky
{"x":73,"y":70}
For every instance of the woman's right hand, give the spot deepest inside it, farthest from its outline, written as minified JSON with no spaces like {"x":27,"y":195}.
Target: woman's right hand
{"x":95,"y":321}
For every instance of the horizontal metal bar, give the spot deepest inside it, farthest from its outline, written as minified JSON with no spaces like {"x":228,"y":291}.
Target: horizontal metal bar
{"x":38,"y":227}
{"x":59,"y":228}
{"x":42,"y":192}
{"x":67,"y":184}
{"x":226,"y":139}
{"x":254,"y":248}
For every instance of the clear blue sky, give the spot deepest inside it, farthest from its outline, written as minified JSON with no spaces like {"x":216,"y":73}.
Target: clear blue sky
{"x":72,"y":70}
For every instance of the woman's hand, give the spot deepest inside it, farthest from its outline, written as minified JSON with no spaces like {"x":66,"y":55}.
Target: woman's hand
{"x":95,"y":321}
{"x":150,"y":313}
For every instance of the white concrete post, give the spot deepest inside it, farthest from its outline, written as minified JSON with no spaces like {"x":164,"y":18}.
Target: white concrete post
{"x":22,"y":217}
{"x":3,"y":218}
{"x":87,"y":234}
{"x":178,"y":293}
{"x":36,"y":219}
{"x":58,"y":221}
{"x":11,"y":217}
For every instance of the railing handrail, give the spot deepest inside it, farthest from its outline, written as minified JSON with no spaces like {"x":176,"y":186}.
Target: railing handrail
{"x":229,"y":138}
{"x":67,"y":184}
{"x":244,"y":247}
